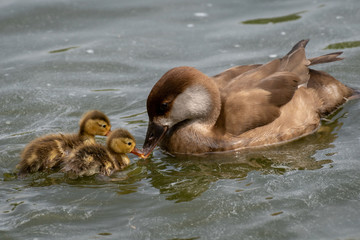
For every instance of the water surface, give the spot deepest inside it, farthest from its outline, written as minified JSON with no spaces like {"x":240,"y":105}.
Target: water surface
{"x":61,"y":58}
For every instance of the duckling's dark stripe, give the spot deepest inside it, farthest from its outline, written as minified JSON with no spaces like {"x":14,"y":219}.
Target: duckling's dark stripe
{"x":121,"y":133}
{"x":95,"y":114}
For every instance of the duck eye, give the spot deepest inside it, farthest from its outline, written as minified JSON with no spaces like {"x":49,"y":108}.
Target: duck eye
{"x":129,"y":143}
{"x":164,"y":107}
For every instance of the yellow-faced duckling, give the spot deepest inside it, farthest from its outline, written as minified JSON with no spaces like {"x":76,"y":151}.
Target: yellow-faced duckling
{"x":46,"y":152}
{"x":91,"y":159}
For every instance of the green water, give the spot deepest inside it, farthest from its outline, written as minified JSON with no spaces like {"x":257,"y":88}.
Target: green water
{"x":61,"y":58}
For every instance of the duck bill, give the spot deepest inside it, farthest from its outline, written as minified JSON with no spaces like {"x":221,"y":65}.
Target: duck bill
{"x":137,"y":152}
{"x":154,"y":135}
{"x":108,"y":133}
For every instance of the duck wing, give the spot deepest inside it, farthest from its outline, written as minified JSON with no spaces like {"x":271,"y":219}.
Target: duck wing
{"x":248,"y":76}
{"x":253,"y":107}
{"x":222,"y":79}
{"x":253,"y":98}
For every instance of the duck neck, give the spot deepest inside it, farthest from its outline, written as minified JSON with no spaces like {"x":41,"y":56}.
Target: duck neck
{"x":209,"y":119}
{"x":121,"y":159}
{"x":87,"y":138}
{"x":198,"y":134}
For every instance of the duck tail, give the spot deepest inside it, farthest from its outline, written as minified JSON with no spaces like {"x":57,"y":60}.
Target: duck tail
{"x":331,"y":57}
{"x":355,"y":95}
{"x":300,"y":44}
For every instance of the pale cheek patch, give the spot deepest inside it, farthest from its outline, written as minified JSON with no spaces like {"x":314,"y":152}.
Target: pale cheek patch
{"x":163,"y":121}
{"x":194,"y":102}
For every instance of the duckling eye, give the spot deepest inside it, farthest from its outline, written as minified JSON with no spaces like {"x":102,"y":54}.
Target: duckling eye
{"x":129,"y":143}
{"x":104,"y":126}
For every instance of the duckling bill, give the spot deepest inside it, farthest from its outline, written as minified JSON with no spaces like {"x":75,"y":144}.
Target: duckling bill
{"x":91,"y":159}
{"x":242,"y":107}
{"x":47,"y":152}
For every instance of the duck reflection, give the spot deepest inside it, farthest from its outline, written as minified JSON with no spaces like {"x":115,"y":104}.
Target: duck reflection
{"x":186,"y":177}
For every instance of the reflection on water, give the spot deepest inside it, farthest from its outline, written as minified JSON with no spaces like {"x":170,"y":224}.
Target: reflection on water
{"x":105,"y":90}
{"x":287,"y":18}
{"x":343,"y":45}
{"x":62,"y":50}
{"x":138,"y":122}
{"x":186,"y":177}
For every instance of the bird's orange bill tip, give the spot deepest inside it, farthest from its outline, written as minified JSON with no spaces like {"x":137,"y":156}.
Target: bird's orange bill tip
{"x":139,"y":153}
{"x":108,"y":133}
{"x":146,"y":152}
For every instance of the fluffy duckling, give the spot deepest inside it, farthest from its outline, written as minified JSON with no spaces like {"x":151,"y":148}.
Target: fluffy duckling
{"x":47,"y":152}
{"x":92,"y":159}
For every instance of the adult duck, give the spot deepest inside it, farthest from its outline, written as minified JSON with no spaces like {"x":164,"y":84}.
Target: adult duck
{"x":242,"y":107}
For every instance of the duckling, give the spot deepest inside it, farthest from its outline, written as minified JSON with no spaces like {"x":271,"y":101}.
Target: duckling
{"x":91,"y":159}
{"x":46,"y":152}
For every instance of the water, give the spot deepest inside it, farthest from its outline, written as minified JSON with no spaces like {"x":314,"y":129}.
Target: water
{"x":62,"y":58}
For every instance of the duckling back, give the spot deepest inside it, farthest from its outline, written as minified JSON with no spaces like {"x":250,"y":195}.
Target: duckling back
{"x":88,"y":160}
{"x":92,"y":159}
{"x":46,"y":152}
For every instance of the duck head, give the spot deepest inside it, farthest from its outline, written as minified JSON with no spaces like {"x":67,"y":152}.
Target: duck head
{"x":183,"y":94}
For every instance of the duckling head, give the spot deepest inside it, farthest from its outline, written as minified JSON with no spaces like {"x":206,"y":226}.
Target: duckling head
{"x":95,"y":123}
{"x":122,"y":142}
{"x":182,"y":95}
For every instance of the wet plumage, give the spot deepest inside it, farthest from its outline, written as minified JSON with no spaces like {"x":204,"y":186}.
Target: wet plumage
{"x":94,"y":158}
{"x":242,"y":107}
{"x":46,"y":152}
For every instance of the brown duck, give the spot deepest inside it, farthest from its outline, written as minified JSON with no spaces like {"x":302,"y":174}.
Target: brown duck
{"x":45,"y":153}
{"x":90,"y":159}
{"x":242,"y":107}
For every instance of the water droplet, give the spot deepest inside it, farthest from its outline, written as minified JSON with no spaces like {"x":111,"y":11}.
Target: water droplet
{"x":273,"y":55}
{"x":90,"y":51}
